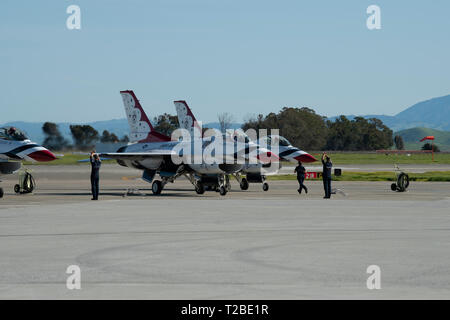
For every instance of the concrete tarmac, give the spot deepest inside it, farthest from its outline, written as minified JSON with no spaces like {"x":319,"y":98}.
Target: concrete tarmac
{"x":246,"y":245}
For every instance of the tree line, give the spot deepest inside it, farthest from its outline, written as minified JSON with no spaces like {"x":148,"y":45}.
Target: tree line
{"x":84,"y":137}
{"x":310,"y":131}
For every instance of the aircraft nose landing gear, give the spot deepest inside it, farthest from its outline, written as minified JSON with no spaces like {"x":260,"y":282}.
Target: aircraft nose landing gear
{"x":222,"y":191}
{"x":224,"y":184}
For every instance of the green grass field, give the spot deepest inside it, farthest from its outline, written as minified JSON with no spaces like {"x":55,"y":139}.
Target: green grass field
{"x":378,"y":158}
{"x":437,"y":176}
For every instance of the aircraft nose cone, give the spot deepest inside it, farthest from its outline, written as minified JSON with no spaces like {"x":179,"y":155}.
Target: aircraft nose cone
{"x":306,"y":157}
{"x":42,"y":156}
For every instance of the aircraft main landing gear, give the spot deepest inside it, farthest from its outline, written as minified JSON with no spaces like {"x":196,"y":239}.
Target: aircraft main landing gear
{"x":157,"y":187}
{"x":199,"y":185}
{"x":200,"y":188}
{"x":244,"y":184}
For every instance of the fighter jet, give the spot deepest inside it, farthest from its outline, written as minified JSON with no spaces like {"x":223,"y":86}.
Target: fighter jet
{"x":15,"y":147}
{"x":254,"y":172}
{"x":154,"y":153}
{"x":287,"y":151}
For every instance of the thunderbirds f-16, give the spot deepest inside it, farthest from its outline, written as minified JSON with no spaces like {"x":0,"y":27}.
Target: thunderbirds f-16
{"x":16,"y":147}
{"x":203,"y":160}
{"x":254,"y":172}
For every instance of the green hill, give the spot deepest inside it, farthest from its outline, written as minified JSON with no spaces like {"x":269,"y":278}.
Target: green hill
{"x":433,"y":113}
{"x":412,"y":136}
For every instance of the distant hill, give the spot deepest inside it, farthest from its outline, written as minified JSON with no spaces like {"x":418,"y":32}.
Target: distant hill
{"x":412,"y":136}
{"x":433,"y":113}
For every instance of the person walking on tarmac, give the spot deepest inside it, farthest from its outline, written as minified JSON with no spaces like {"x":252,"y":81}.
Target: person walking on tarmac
{"x":95,"y":174}
{"x":326,"y":175}
{"x":301,"y":171}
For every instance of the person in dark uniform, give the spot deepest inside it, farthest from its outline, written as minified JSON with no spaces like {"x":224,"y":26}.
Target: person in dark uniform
{"x":301,"y":171}
{"x":95,"y":174}
{"x":326,"y":175}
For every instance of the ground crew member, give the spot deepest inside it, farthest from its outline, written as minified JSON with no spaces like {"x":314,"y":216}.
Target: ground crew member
{"x":301,"y":171}
{"x":95,"y":174}
{"x":326,"y":175}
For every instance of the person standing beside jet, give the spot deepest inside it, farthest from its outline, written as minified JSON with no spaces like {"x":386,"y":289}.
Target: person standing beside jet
{"x":95,"y":174}
{"x":301,"y":171}
{"x":326,"y":175}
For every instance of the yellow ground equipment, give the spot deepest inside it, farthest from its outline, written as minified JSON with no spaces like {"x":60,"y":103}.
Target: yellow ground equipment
{"x":26,"y":182}
{"x":402,"y":180}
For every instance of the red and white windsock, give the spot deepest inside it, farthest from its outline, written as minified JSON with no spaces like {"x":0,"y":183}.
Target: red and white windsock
{"x":427,"y":138}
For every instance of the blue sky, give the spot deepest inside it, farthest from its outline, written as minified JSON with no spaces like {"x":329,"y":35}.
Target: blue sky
{"x":241,"y":57}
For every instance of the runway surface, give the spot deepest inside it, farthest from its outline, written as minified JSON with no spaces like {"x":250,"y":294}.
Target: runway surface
{"x":246,"y":245}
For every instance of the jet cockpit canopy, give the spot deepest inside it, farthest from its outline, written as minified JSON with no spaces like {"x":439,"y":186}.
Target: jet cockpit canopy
{"x":12,"y":133}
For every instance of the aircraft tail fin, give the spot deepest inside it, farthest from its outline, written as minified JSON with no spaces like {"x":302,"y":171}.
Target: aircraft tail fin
{"x":185,"y":116}
{"x":141,"y":130}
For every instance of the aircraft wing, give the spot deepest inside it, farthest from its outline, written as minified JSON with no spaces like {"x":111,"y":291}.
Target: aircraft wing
{"x":137,"y":155}
{"x":89,"y":160}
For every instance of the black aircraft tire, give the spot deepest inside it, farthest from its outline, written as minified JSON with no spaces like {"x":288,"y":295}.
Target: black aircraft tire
{"x":222,"y":191}
{"x":407,"y":181}
{"x":1,"y":192}
{"x":200,"y":189}
{"x":265,"y":186}
{"x":402,"y":182}
{"x":244,"y":184}
{"x":394,"y":187}
{"x":157,"y":187}
{"x":16,"y":188}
